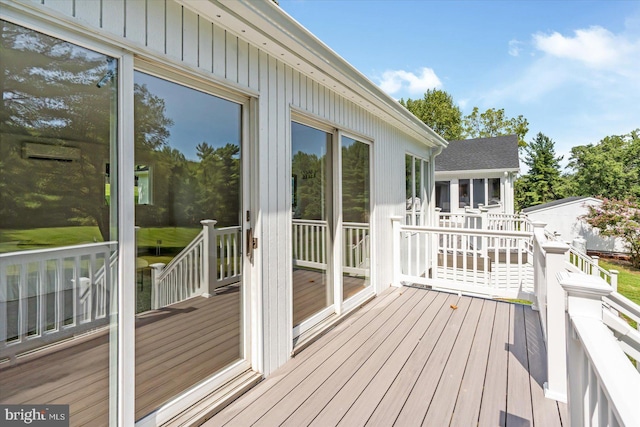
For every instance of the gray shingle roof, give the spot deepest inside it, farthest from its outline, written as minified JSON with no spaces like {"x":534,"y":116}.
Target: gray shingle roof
{"x":554,"y":203}
{"x":500,"y":152}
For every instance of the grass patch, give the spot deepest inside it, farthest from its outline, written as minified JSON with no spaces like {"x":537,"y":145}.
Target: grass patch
{"x":628,"y":278}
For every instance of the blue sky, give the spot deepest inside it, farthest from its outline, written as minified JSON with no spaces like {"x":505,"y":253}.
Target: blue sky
{"x":572,"y":68}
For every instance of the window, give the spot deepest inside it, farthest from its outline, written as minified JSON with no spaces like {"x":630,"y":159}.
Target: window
{"x":478,"y":192}
{"x":443,"y":196}
{"x":494,"y":191}
{"x":463,"y":193}
{"x":415,"y":177}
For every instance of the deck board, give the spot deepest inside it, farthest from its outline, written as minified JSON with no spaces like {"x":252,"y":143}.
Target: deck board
{"x":435,"y":366}
{"x":330,"y":356}
{"x":519,"y":411}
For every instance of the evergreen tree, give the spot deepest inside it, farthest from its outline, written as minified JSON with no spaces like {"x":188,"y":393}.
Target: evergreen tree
{"x":543,"y":181}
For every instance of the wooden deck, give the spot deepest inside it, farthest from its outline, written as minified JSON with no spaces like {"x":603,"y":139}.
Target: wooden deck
{"x":412,"y":357}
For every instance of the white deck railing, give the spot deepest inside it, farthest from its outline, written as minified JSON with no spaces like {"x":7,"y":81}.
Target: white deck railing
{"x":210,"y":261}
{"x":487,"y":262}
{"x":603,"y":386}
{"x":52,"y":294}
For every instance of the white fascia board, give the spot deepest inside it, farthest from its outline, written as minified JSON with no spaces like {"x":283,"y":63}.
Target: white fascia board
{"x":479,"y":173}
{"x":569,"y":203}
{"x":267,"y":26}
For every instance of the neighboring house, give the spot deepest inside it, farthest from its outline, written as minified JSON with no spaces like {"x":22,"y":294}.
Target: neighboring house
{"x":477,"y":171}
{"x":563,"y":217}
{"x":180,"y":149}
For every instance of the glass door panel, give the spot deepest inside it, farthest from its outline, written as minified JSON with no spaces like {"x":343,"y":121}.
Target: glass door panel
{"x":311,"y":195}
{"x":356,"y":210}
{"x":189,"y":245}
{"x":58,"y":225}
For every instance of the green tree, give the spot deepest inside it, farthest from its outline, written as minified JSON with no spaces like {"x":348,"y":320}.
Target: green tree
{"x":618,"y":218}
{"x":494,"y":123}
{"x":610,"y":168}
{"x":438,"y":111}
{"x":543,"y":182}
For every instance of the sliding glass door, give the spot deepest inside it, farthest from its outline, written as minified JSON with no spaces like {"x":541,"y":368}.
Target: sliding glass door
{"x":59,"y":248}
{"x":312,"y":222}
{"x":356,"y":213}
{"x":188,"y":200}
{"x":331,"y":209}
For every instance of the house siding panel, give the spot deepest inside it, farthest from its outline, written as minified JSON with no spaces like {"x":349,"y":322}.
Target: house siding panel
{"x":135,"y":21}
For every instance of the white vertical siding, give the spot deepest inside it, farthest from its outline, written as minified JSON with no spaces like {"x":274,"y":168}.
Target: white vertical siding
{"x":168,"y":28}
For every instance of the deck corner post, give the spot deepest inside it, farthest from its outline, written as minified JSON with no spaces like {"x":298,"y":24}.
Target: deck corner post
{"x":209,"y":259}
{"x":484,"y":217}
{"x":156,"y":269}
{"x":614,"y":283}
{"x":538,"y":265}
{"x":395,"y":221}
{"x":556,"y":386}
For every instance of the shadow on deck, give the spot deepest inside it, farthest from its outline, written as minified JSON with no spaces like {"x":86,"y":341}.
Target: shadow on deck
{"x":412,"y":357}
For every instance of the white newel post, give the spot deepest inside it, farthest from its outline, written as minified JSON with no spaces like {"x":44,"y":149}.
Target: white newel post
{"x":538,"y":265}
{"x":584,"y":300}
{"x":484,"y":217}
{"x":395,"y":221}
{"x":209,"y":257}
{"x":556,"y":386}
{"x":437,"y":217}
{"x":156,"y":269}
{"x":594,"y":268}
{"x":614,"y":286}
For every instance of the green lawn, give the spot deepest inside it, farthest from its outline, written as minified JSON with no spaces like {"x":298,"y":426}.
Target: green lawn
{"x":628,"y":278}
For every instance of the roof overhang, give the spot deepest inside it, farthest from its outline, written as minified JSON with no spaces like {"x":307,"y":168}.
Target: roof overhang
{"x":476,"y":171}
{"x":267,"y":26}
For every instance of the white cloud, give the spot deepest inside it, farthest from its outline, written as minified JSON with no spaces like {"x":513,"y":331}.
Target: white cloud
{"x":515,"y":46}
{"x":596,"y":47}
{"x":394,"y":81}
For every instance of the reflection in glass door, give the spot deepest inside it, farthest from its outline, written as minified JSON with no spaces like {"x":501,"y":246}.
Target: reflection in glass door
{"x":356,"y":211}
{"x":58,"y":225}
{"x":311,"y":212}
{"x":189,"y":254}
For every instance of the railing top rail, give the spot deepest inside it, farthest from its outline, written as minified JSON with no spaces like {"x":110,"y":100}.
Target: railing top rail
{"x":309,"y":221}
{"x":469,"y":231}
{"x":230,"y":228}
{"x":624,"y":305}
{"x":84,"y":249}
{"x":355,"y":224}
